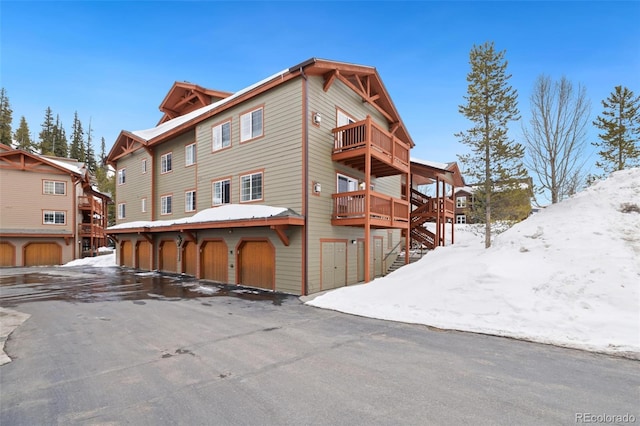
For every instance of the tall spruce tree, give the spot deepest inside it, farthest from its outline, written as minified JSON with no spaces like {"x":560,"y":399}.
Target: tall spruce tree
{"x":103,"y":153}
{"x":76,"y":150}
{"x":22,"y":136}
{"x":495,"y":161}
{"x":620,"y":126}
{"x":60,"y":145}
{"x":5,"y":118}
{"x":90,"y":156}
{"x":46,"y":135}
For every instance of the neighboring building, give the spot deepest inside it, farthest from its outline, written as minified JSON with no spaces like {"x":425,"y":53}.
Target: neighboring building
{"x":49,"y":212}
{"x":298,"y":183}
{"x":512,"y":204}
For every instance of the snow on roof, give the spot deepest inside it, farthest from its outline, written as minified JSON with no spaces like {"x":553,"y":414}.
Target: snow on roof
{"x":149,"y":134}
{"x":71,"y":165}
{"x":215,"y":214}
{"x":435,"y":164}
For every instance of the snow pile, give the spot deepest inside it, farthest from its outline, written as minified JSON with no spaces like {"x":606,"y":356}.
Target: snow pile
{"x":102,"y":261}
{"x":568,"y":276}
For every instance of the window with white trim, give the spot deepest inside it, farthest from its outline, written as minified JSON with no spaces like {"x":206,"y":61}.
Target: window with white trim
{"x":166,"y":202}
{"x":143,"y":206}
{"x":165,"y":163}
{"x":251,"y":187}
{"x":122,"y":176}
{"x":221,"y":136}
{"x":54,"y":187}
{"x":50,"y":217}
{"x":122,"y":211}
{"x":190,"y":155}
{"x":461,"y":202}
{"x":144,"y":165}
{"x":221,"y":193}
{"x":190,"y":201}
{"x":461,"y":218}
{"x":251,"y":125}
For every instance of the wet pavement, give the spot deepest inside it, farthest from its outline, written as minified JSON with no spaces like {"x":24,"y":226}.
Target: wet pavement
{"x":84,"y":284}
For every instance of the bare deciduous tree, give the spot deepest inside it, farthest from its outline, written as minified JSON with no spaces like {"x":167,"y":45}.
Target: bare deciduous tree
{"x":555,"y":139}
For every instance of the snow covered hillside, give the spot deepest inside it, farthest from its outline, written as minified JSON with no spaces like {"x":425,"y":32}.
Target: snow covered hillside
{"x":567,"y":276}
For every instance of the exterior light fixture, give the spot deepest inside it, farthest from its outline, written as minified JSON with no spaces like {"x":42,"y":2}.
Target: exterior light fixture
{"x":317,"y":118}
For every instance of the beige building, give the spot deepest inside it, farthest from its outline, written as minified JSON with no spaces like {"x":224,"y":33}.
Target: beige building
{"x":49,"y":212}
{"x":298,"y":183}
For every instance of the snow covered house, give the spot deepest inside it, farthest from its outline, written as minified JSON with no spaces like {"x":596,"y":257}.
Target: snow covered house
{"x":50,"y":213}
{"x":298,"y":183}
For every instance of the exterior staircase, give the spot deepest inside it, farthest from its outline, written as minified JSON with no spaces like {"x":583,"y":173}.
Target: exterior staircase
{"x":415,"y":255}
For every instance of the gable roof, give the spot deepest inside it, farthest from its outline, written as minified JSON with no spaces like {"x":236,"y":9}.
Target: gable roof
{"x":23,"y":160}
{"x":364,"y":80}
{"x":184,"y":97}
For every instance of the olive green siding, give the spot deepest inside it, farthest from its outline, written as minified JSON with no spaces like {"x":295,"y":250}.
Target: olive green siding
{"x":278,"y":153}
{"x":181,"y":178}
{"x":137,"y":186}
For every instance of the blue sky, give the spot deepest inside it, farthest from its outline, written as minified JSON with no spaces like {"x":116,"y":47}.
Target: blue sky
{"x":114,"y":62}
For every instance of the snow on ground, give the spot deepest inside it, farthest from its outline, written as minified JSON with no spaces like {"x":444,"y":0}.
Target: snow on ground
{"x":568,"y":276}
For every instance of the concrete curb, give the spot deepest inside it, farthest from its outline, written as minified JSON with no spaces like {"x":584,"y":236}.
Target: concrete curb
{"x":9,"y":321}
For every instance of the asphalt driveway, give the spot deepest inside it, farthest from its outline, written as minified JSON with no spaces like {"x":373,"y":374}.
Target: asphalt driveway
{"x":105,"y":346}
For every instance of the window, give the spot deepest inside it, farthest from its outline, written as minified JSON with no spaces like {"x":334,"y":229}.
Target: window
{"x":343,"y":119}
{"x":54,"y":218}
{"x":460,"y":218}
{"x":461,"y":202}
{"x":347,"y":184}
{"x":221,"y":136}
{"x":52,"y":187}
{"x":165,"y":163}
{"x":221,"y":192}
{"x":122,"y":176}
{"x":122,"y":211}
{"x":190,"y":201}
{"x":251,"y":125}
{"x":190,"y":155}
{"x":144,"y":165}
{"x":251,"y":187}
{"x":165,"y":204}
{"x":143,"y":206}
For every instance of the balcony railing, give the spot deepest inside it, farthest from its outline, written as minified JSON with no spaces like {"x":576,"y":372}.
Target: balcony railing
{"x":366,"y":133}
{"x":349,"y":208}
{"x":90,"y":230}
{"x":89,"y":203}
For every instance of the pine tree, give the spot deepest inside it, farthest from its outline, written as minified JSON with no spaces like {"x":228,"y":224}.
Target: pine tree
{"x":60,"y":146}
{"x":46,"y":136}
{"x":90,"y":157}
{"x":620,"y":125}
{"x":103,"y":153}
{"x":495,"y":161}
{"x":5,"y":118}
{"x":76,"y":150}
{"x":22,"y":136}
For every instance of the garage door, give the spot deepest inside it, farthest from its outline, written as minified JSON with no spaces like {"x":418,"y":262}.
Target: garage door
{"x":257,"y":262}
{"x":7,"y":254}
{"x":189,"y":257}
{"x":39,"y":254}
{"x":126,"y":254}
{"x":214,"y":261}
{"x":168,"y":256}
{"x":143,"y":255}
{"x":334,"y":264}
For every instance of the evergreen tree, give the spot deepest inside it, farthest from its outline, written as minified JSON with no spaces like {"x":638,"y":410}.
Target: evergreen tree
{"x":90,"y":157}
{"x":495,"y":161}
{"x":5,"y":118}
{"x":22,"y":136}
{"x":76,"y":150}
{"x":103,"y":153}
{"x":46,"y":136}
{"x":620,"y":126}
{"x":60,"y":146}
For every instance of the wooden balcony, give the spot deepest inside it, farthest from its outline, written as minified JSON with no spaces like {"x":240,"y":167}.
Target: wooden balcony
{"x":87,"y":230}
{"x":353,"y":142}
{"x":89,"y":203}
{"x":384,"y":211}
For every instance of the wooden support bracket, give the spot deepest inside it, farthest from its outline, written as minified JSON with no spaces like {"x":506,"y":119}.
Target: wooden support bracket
{"x":280,"y":231}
